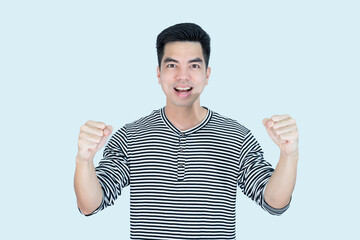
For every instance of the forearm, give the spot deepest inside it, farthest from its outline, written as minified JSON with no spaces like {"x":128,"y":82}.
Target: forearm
{"x":87,"y":187}
{"x":281,"y":184}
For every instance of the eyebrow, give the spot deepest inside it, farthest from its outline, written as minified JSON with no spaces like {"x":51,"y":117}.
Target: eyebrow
{"x":168,"y":59}
{"x":199,"y":60}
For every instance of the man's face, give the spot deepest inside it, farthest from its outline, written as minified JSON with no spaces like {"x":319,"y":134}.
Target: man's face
{"x":183,"y":74}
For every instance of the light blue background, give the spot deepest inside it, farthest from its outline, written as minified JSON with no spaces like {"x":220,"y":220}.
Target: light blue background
{"x":65,"y":62}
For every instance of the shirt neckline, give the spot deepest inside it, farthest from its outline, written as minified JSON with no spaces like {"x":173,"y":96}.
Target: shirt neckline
{"x":189,"y":131}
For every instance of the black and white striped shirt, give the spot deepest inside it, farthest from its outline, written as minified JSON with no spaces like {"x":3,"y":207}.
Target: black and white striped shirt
{"x":183,"y":183}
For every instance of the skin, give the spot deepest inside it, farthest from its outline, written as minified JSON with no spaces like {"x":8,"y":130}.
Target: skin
{"x":283,"y":130}
{"x":92,"y":137}
{"x":183,"y":66}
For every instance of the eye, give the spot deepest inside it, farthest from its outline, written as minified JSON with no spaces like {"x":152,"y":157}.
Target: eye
{"x":171,"y":65}
{"x":194,"y":66}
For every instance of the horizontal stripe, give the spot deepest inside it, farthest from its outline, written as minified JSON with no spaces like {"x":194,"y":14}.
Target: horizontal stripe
{"x":183,"y":184}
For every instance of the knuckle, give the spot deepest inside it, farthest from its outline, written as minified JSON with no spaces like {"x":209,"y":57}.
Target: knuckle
{"x":82,"y":135}
{"x":82,"y":128}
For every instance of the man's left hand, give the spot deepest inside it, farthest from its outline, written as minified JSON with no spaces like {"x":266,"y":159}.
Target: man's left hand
{"x":283,"y":131}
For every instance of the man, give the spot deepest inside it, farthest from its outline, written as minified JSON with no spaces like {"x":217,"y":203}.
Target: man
{"x":184,"y":162}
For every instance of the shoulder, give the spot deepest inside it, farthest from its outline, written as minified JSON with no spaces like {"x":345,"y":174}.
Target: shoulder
{"x":224,"y":123}
{"x":135,"y":129}
{"x":144,"y":123}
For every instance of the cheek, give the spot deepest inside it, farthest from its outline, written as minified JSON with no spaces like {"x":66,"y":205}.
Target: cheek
{"x":200,"y":75}
{"x":201,"y":80}
{"x":165,"y":78}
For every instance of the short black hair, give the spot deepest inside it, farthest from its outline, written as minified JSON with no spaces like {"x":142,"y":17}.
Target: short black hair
{"x":184,"y":32}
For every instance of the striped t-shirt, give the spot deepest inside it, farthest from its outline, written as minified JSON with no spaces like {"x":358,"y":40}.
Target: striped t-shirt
{"x":183,"y":183}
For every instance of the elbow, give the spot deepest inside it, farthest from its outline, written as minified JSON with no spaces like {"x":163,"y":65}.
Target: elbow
{"x":277,"y":203}
{"x":276,"y":208}
{"x":276,"y":199}
{"x":86,"y":211}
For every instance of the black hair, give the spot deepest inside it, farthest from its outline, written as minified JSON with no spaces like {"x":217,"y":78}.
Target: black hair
{"x":183,"y":32}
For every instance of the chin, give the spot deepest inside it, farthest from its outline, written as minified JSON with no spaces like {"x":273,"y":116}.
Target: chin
{"x":183,"y":103}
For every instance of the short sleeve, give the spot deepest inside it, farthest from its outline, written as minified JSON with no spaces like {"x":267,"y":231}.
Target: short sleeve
{"x":254,"y":173}
{"x":113,"y":169}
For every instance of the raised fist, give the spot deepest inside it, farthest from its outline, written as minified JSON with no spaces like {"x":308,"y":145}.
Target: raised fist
{"x":92,"y":138}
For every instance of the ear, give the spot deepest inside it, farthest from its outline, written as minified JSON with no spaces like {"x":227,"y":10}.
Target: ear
{"x":208,"y":72}
{"x":158,"y":73}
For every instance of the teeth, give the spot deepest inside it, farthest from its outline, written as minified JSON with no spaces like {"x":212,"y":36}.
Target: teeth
{"x":183,"y":89}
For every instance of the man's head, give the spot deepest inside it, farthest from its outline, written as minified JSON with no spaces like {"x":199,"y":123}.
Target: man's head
{"x":183,"y":72}
{"x":183,"y":32}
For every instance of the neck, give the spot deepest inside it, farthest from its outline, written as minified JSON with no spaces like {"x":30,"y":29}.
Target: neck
{"x":185,"y":118}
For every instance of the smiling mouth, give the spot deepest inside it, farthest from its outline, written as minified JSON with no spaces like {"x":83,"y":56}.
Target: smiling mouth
{"x":183,"y":90}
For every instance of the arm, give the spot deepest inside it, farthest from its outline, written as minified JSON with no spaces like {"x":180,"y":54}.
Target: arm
{"x":87,"y":187}
{"x":283,"y":131}
{"x":254,"y":173}
{"x":92,"y":138}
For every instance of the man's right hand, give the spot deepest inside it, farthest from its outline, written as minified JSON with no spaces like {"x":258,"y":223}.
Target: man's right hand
{"x":92,"y":138}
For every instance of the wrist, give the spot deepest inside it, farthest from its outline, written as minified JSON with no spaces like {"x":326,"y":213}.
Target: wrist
{"x":289,"y":156}
{"x":84,"y":162}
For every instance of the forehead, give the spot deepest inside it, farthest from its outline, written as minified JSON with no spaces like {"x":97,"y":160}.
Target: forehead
{"x":183,"y":49}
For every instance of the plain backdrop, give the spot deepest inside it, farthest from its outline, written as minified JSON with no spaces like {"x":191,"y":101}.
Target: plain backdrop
{"x":65,"y":62}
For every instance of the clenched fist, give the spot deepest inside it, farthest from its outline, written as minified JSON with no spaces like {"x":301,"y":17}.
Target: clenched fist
{"x":92,"y":137}
{"x":283,"y":130}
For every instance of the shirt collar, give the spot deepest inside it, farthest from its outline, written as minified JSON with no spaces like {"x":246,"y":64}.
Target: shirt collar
{"x":189,"y":131}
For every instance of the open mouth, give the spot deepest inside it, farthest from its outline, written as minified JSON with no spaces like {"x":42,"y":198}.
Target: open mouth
{"x":183,"y":90}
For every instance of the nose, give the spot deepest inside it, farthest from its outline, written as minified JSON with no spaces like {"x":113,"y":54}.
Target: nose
{"x":182,"y":73}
